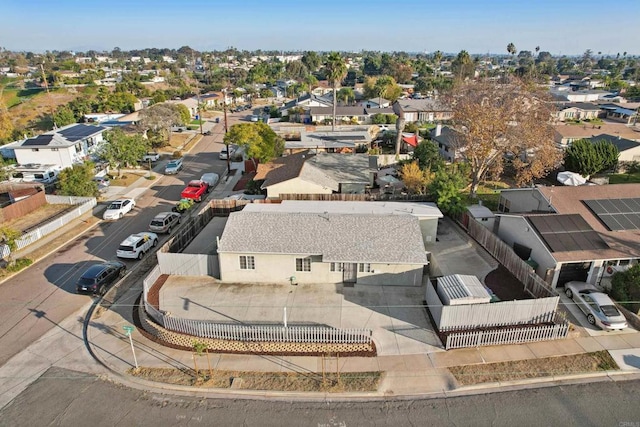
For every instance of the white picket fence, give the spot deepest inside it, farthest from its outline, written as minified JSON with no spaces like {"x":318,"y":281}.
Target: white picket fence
{"x":267,"y":333}
{"x":84,"y":204}
{"x":507,"y":336}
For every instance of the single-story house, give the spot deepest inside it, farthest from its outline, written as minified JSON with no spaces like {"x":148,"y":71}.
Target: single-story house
{"x":190,"y":103}
{"x":573,"y":233}
{"x":330,"y":142}
{"x":60,"y":147}
{"x":624,"y":113}
{"x":271,"y":246}
{"x":353,"y":115}
{"x":577,"y":111}
{"x":422,"y":110}
{"x":565,"y":134}
{"x":629,"y":150}
{"x":305,"y":101}
{"x":322,"y":173}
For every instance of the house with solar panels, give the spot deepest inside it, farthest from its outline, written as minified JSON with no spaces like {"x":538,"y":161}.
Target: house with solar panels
{"x":583,"y":233}
{"x":59,"y":148}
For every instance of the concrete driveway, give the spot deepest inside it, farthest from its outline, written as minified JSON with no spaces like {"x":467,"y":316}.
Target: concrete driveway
{"x":395,"y":314}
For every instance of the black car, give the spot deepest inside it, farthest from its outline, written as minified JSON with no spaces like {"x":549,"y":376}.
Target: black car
{"x":99,"y":277}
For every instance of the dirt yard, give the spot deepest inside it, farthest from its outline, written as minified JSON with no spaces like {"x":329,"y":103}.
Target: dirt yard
{"x":534,"y":368}
{"x":280,"y":381}
{"x":505,"y":285}
{"x":36,"y":217}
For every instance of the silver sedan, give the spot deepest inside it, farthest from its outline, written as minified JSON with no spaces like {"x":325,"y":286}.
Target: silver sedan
{"x":596,"y":305}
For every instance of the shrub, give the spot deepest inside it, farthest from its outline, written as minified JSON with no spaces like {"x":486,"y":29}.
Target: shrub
{"x":177,"y":154}
{"x":19,"y":264}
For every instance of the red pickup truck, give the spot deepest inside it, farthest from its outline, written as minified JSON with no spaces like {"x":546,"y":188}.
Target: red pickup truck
{"x":195,"y":190}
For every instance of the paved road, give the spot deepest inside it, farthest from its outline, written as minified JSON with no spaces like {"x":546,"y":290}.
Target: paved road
{"x":40,"y":297}
{"x":68,"y":398}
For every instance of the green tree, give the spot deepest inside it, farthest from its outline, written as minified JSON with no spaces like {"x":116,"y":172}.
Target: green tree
{"x":123,"y":150}
{"x":446,"y":187}
{"x":427,"y":155}
{"x":336,"y":70}
{"x":588,"y":158}
{"x":311,"y":60}
{"x":463,"y":66}
{"x":416,"y":179}
{"x":185,"y":115}
{"x":9,"y":237}
{"x":63,"y":116}
{"x":159,"y":118}
{"x":382,"y":87}
{"x":78,"y":181}
{"x":625,"y":287}
{"x":346,"y":94}
{"x":6,"y":125}
{"x":260,"y":141}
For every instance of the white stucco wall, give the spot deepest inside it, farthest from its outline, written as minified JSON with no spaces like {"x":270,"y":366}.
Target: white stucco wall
{"x":517,"y":229}
{"x":296,"y":186}
{"x":274,"y":268}
{"x":46,"y":156}
{"x":429,"y":229}
{"x":630,"y":155}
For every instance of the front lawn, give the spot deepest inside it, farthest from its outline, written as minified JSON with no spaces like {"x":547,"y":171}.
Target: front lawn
{"x":624,"y":178}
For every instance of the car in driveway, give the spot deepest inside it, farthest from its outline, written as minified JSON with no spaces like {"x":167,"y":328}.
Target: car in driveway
{"x":164,"y":222}
{"x":136,"y":245}
{"x":97,"y":278}
{"x":118,"y":208}
{"x":224,"y":154}
{"x":173,"y":167}
{"x":596,"y":305}
{"x":103,"y":183}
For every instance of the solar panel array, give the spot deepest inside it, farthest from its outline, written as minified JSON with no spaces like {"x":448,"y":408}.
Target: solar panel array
{"x":39,"y":140}
{"x":78,"y":132}
{"x":617,"y":214}
{"x":563,"y":233}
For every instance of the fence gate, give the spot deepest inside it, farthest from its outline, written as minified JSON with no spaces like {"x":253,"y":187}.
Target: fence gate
{"x":350,"y":273}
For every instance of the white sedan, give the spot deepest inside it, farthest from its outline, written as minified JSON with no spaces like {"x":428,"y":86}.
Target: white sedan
{"x":118,"y":208}
{"x":596,"y":305}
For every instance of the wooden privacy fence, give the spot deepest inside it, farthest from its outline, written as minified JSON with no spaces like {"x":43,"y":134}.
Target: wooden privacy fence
{"x":266,"y":333}
{"x":514,"y":335}
{"x":511,"y":261}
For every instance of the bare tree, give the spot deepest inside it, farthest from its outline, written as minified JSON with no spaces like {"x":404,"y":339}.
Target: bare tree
{"x":499,"y":123}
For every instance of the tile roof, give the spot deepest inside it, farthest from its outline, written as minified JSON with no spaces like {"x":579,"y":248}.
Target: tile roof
{"x":395,"y":239}
{"x":424,"y":104}
{"x":621,"y":144}
{"x":418,"y":209}
{"x":281,"y":169}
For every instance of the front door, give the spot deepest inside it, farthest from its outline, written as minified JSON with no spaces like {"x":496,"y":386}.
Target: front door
{"x":350,"y":273}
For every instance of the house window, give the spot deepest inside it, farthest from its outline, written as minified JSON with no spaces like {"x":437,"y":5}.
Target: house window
{"x":247,"y":262}
{"x":78,"y":148}
{"x":303,"y":264}
{"x":35,"y":149}
{"x":337,"y":266}
{"x":504,"y":205}
{"x":364,"y":268}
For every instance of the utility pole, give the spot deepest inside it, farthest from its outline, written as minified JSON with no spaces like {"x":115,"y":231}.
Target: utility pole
{"x":46,"y":86}
{"x":197,"y":91}
{"x":226,"y":129}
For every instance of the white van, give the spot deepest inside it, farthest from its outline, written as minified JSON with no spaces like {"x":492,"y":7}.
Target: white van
{"x":46,"y":174}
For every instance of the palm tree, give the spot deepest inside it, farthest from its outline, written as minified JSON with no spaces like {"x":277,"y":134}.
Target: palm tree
{"x":336,"y":70}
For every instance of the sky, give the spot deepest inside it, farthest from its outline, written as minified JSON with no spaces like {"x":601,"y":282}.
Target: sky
{"x":478,"y":26}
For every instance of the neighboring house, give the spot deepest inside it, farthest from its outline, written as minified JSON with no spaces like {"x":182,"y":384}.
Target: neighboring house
{"x":355,"y":115}
{"x":306,"y":173}
{"x":322,"y":246}
{"x":330,"y":142}
{"x":564,"y":94}
{"x":577,"y":111}
{"x":190,"y":103}
{"x":422,"y":110}
{"x":210,"y":99}
{"x":305,"y":101}
{"x":445,"y":138}
{"x":573,"y":233}
{"x":629,"y":150}
{"x":376,"y":103}
{"x":623,"y":113}
{"x":565,"y":134}
{"x":61,"y":147}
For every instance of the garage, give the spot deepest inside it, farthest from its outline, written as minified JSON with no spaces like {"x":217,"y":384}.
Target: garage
{"x":573,"y":271}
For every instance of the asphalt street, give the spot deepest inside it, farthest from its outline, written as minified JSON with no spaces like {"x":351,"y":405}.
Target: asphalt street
{"x":62,"y":397}
{"x":40,"y":297}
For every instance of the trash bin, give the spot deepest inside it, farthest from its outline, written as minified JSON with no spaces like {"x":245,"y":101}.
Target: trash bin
{"x":217,"y":119}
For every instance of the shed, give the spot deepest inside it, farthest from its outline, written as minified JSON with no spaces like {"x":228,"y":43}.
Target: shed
{"x":458,"y":289}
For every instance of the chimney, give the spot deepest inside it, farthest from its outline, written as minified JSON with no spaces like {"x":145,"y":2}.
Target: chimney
{"x":438,"y":129}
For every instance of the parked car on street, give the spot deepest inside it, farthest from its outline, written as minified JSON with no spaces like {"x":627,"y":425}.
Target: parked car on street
{"x":173,"y":167}
{"x":136,"y":245}
{"x":195,"y":190}
{"x":210,"y":178}
{"x":97,"y":278}
{"x":164,"y":222}
{"x":596,"y":305}
{"x":118,"y":208}
{"x":224,"y":154}
{"x":151,"y":157}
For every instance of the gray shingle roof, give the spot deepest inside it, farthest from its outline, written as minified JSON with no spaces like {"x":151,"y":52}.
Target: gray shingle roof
{"x":391,"y":239}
